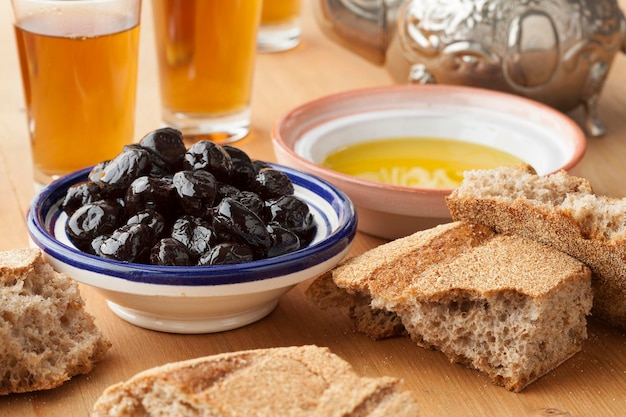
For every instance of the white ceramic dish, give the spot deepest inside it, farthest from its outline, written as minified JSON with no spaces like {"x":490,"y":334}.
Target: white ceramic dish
{"x":535,"y":133}
{"x":197,"y":299}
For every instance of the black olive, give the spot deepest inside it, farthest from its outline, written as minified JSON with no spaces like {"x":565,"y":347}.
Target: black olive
{"x":150,"y":193}
{"x":129,"y":243}
{"x":167,"y":144}
{"x":94,"y":246}
{"x":196,"y":191}
{"x":227,"y":253}
{"x":96,"y":172}
{"x":224,"y":190}
{"x":259,"y":165}
{"x":80,"y":194}
{"x":243,"y":170}
{"x":236,"y":220}
{"x":154,"y":220}
{"x":129,"y":165}
{"x":209,"y":156}
{"x":249,"y":199}
{"x":169,"y":251}
{"x":93,"y":219}
{"x":292,"y":213}
{"x":195,"y":233}
{"x":158,"y":167}
{"x":283,"y":240}
{"x":272,"y":183}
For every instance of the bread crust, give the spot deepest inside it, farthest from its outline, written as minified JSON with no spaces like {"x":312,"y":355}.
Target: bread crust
{"x":277,"y":382}
{"x":46,"y":336}
{"x":568,"y":216}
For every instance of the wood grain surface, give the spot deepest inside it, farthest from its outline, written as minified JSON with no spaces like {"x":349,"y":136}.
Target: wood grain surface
{"x":592,"y":383}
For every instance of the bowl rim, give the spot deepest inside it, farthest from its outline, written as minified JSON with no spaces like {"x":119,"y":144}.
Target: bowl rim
{"x":42,"y":211}
{"x":578,"y":140}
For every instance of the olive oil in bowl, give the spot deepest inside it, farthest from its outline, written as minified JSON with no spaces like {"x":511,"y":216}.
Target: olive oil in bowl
{"x":416,"y":162}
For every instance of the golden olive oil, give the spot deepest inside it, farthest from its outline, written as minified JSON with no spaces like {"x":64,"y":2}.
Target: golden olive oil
{"x":416,"y":162}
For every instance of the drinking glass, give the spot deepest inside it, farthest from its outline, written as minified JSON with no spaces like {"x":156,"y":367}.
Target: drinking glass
{"x":280,"y":25}
{"x":206,"y":51}
{"x":78,"y":62}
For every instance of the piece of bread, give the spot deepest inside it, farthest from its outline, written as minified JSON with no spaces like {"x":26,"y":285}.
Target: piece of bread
{"x":390,"y":267}
{"x":276,"y":382}
{"x":46,"y":336}
{"x":559,"y":210}
{"x":503,"y":304}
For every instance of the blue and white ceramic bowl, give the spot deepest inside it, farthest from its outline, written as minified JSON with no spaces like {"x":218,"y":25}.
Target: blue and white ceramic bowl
{"x":197,"y":299}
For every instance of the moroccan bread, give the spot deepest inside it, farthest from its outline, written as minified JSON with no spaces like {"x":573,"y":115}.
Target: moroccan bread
{"x":559,"y":210}
{"x":46,"y":336}
{"x":276,"y":382}
{"x":508,"y":306}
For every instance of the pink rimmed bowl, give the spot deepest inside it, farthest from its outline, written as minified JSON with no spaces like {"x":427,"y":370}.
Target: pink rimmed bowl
{"x":535,"y":133}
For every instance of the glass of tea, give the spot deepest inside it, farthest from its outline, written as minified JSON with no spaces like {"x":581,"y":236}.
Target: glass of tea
{"x":78,"y":62}
{"x":206,"y":51}
{"x":280,"y":25}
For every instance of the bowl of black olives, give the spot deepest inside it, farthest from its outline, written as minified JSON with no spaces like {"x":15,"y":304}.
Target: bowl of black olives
{"x":191,"y":240}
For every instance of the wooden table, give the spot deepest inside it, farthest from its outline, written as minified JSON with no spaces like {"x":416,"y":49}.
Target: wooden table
{"x":593,"y":383}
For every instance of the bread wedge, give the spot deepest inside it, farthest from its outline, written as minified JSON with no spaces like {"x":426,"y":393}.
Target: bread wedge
{"x":276,"y":382}
{"x":46,"y":336}
{"x":506,"y":305}
{"x":559,"y":210}
{"x":389,"y":268}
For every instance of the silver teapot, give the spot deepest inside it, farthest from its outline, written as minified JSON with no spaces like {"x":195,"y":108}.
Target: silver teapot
{"x":558,"y":52}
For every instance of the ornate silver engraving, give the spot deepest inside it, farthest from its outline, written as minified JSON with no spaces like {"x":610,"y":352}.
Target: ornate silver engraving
{"x":554,"y":51}
{"x":558,"y":52}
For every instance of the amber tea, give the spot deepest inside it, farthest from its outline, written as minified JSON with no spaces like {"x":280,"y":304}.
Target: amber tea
{"x":206,"y":51}
{"x":80,"y":84}
{"x":279,"y":11}
{"x":280,"y":25}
